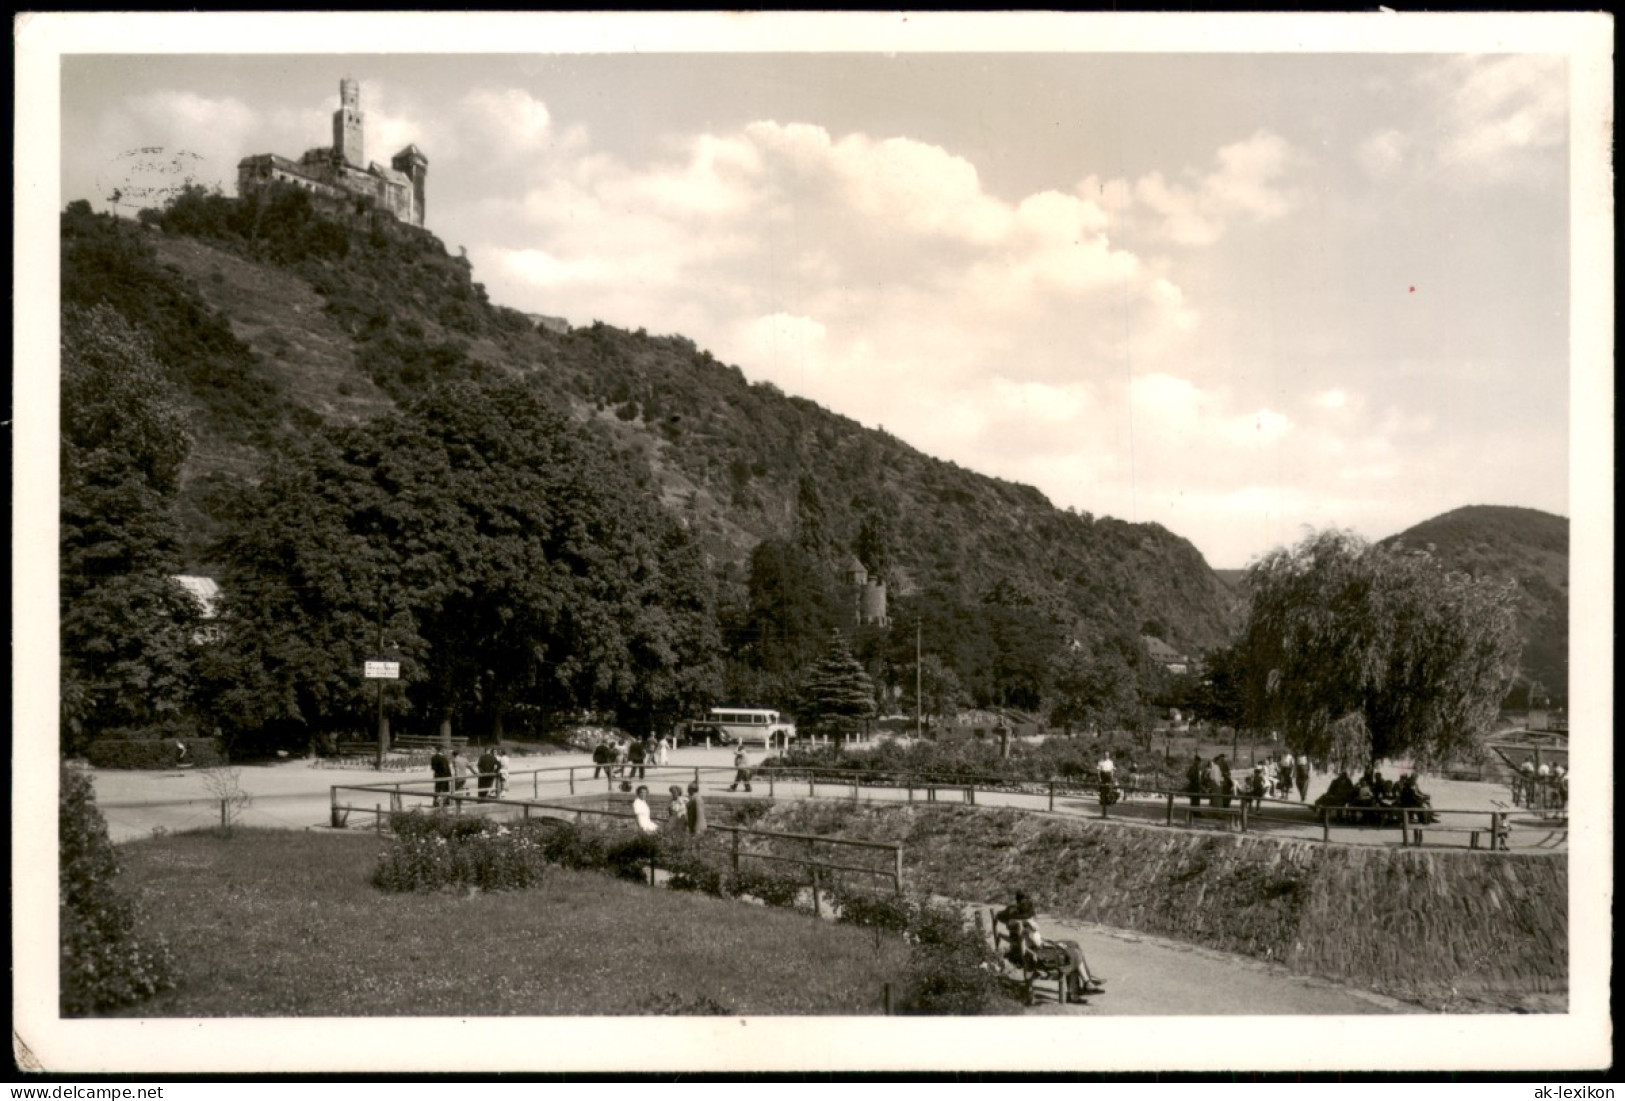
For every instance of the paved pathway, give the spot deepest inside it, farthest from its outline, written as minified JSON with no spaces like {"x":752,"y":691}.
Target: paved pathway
{"x":294,"y":794}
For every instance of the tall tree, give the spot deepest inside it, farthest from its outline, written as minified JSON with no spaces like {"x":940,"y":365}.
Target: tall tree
{"x":126,"y":626}
{"x":518,"y":567}
{"x":839,"y":696}
{"x":1341,"y":631}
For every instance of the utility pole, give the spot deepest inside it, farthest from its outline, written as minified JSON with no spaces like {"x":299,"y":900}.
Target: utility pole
{"x":383,"y":728}
{"x":919,"y":700}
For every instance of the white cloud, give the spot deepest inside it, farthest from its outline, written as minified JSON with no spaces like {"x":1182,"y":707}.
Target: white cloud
{"x":1248,"y":181}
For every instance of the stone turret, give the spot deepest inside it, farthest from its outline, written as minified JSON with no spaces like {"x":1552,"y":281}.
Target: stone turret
{"x":349,"y":139}
{"x":411,"y":163}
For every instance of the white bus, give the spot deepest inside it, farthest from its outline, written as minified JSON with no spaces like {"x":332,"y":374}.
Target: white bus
{"x":747,"y":726}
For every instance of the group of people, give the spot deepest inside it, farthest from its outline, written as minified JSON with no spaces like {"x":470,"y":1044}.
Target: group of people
{"x":685,"y":811}
{"x":1373,"y":791}
{"x":1271,"y":778}
{"x":452,"y":773}
{"x":1543,"y":787}
{"x":629,"y":758}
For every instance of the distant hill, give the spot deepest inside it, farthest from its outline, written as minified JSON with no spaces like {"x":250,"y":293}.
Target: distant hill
{"x":1523,"y":544}
{"x":285,"y":318}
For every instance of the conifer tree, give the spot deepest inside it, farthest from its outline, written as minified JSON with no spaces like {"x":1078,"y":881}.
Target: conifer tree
{"x":839,"y":697}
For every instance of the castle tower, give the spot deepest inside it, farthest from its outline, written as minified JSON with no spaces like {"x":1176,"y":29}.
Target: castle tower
{"x":349,"y":143}
{"x":411,"y":163}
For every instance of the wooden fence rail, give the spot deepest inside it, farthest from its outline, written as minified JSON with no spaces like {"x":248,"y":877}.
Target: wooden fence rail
{"x":1246,"y":812}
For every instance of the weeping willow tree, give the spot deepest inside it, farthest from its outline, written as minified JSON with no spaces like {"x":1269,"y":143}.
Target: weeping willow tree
{"x":1365,"y":653}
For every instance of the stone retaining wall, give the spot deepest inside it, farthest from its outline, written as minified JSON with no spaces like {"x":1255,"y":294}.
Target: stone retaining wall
{"x":1438,"y":926}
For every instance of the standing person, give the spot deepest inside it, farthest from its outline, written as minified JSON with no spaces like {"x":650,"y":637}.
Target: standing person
{"x":602,"y":755}
{"x":638,"y":754}
{"x":440,"y":765}
{"x":1193,"y":779}
{"x":487,"y":771}
{"x":696,"y":809}
{"x":742,"y":767}
{"x":678,"y":810}
{"x":459,"y":770}
{"x":661,"y":749}
{"x":1300,"y":774}
{"x":640,"y":808}
{"x":622,"y":755}
{"x":500,"y":788}
{"x":1227,"y":785}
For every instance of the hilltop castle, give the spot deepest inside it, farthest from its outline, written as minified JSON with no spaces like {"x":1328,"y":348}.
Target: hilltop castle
{"x":335,"y":172}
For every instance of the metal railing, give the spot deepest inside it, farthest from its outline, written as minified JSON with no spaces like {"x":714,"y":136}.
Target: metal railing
{"x":1246,"y":811}
{"x":735,"y":852}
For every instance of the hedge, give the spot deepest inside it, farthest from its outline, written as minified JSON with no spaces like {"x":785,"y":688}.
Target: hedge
{"x":153,"y":753}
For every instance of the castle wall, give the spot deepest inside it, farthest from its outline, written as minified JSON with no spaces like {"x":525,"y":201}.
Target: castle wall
{"x":338,"y":171}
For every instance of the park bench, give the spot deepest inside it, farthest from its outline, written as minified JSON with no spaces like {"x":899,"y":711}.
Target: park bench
{"x":1230,"y":814}
{"x":1032,"y":970}
{"x":967,"y":793}
{"x":1417,"y":826}
{"x":422,"y":741}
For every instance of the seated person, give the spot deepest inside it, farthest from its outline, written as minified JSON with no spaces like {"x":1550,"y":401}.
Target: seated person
{"x":1063,"y":956}
{"x":1012,"y":917}
{"x":1411,"y":797}
{"x":1338,"y":793}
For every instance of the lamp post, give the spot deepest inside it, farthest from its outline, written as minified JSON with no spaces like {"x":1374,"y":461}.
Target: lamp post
{"x":919,"y":700}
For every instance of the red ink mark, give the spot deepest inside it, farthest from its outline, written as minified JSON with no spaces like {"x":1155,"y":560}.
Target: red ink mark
{"x":1413,"y":290}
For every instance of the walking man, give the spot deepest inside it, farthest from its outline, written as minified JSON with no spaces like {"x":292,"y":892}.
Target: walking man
{"x":742,"y":767}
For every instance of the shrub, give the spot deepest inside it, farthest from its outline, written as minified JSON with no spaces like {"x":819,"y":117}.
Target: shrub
{"x":104,"y":964}
{"x":433,"y":852}
{"x":888,"y":912}
{"x":630,"y":858}
{"x":151,"y":750}
{"x":570,"y":846}
{"x":674,"y":1004}
{"x":773,"y":888}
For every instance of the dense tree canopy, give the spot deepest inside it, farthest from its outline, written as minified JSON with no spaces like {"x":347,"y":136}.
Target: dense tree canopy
{"x":126,"y":625}
{"x":1365,"y":653}
{"x":516,"y":568}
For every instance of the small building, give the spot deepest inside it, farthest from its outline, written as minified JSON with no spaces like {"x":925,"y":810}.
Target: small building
{"x":1165,"y":655}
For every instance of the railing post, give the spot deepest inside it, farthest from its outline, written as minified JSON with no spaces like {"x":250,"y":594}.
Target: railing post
{"x":854,"y":788}
{"x":334,"y":793}
{"x":572,"y":779}
{"x":811,"y":782}
{"x":736,"y":857}
{"x":223,"y":814}
{"x":897,"y":869}
{"x":1244,"y":816}
{"x":1170,"y":808}
{"x":1052,"y":796}
{"x":1326,"y":825}
{"x":770,"y":785}
{"x":910,"y":781}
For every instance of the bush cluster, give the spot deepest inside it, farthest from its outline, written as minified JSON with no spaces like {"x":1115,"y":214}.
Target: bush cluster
{"x":433,"y":852}
{"x":153,"y":751}
{"x":964,"y":760}
{"x":952,"y":968}
{"x":104,"y":963}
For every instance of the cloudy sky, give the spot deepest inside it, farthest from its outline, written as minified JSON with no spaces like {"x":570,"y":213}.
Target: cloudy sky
{"x":1236,"y":294}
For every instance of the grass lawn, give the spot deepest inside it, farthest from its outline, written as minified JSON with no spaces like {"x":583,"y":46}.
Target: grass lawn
{"x":278,"y":923}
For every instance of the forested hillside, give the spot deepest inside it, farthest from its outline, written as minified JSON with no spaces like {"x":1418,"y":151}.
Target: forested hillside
{"x":276,"y":323}
{"x":1521,"y":544}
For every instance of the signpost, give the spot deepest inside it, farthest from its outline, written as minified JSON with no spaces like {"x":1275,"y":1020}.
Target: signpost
{"x":381,"y":671}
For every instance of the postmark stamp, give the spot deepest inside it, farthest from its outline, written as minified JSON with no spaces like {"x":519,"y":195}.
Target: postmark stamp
{"x":151,"y":175}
